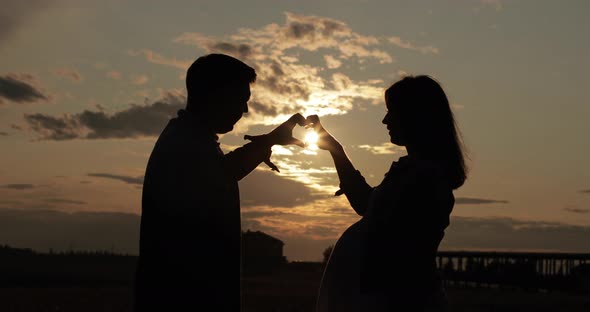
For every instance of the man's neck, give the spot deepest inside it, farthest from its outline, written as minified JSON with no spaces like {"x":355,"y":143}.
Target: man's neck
{"x":198,"y":122}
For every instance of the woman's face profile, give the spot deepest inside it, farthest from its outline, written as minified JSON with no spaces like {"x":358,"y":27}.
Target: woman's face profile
{"x":392,"y":121}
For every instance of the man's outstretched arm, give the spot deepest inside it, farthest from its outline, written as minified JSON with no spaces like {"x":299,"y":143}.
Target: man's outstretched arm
{"x":240,"y":162}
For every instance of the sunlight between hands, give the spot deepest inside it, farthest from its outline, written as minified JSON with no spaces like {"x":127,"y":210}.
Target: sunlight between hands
{"x":325,"y":140}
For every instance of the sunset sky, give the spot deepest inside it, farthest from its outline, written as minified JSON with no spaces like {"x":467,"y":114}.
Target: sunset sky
{"x":87,"y":86}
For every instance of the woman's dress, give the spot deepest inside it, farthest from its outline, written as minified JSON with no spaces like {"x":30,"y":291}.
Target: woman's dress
{"x":386,"y":260}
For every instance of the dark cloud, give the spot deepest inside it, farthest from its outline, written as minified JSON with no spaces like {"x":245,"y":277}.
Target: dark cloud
{"x":285,"y":86}
{"x":136,"y":121}
{"x":126,"y":179}
{"x":342,"y":210}
{"x":11,"y":202}
{"x":585,"y":191}
{"x":68,"y":73}
{"x":247,"y":215}
{"x":45,"y":229}
{"x":298,"y":30}
{"x":476,"y":201}
{"x":19,"y":186}
{"x":331,"y":27}
{"x":241,"y":51}
{"x":2,"y":133}
{"x":15,"y":88}
{"x":511,"y":234}
{"x":262,"y":109}
{"x":266,"y":188}
{"x":54,"y":128}
{"x":576,"y":210}
{"x":276,"y":68}
{"x":322,"y":231}
{"x":15,"y":13}
{"x":64,"y":201}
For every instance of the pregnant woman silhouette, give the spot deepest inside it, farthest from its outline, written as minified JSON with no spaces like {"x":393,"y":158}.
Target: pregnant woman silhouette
{"x":386,"y":260}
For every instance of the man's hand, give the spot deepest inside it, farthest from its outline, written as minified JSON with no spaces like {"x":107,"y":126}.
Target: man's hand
{"x":283,"y":134}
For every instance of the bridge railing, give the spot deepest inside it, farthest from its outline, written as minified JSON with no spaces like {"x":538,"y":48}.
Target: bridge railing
{"x":527,"y":270}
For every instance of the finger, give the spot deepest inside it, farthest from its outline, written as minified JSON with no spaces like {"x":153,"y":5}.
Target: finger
{"x":271,"y":165}
{"x":313,"y":122}
{"x":297,"y":119}
{"x":312,"y":119}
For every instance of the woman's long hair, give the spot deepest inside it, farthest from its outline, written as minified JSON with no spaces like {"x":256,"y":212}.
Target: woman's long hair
{"x":428,"y":124}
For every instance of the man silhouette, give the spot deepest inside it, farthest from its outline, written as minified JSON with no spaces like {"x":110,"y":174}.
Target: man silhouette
{"x":190,"y":223}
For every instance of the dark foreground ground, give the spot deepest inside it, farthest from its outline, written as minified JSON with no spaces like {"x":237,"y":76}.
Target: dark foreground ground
{"x":288,"y":291}
{"x":118,"y":299}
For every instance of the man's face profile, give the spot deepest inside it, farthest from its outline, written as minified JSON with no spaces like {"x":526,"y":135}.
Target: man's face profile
{"x":228,"y":105}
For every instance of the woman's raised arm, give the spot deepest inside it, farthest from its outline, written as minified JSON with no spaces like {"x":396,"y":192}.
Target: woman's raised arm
{"x":352,"y":183}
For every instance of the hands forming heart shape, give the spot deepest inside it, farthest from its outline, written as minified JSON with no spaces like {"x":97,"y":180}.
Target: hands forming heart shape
{"x":283,"y":135}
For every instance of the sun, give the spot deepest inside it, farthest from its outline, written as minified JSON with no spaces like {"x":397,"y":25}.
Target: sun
{"x":311,"y":140}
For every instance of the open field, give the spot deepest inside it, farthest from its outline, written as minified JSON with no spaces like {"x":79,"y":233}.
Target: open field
{"x":271,"y":294}
{"x":100,"y":283}
{"x":118,"y":299}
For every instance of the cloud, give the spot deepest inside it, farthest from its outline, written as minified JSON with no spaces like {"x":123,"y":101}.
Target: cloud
{"x":263,"y":187}
{"x":383,"y":149}
{"x":21,"y":88}
{"x":317,"y":222}
{"x":332,"y":62}
{"x":64,"y":201}
{"x":134,"y":122}
{"x":410,"y":46}
{"x":477,"y":201}
{"x":517,"y":235}
{"x":285,"y":84}
{"x":585,"y":191}
{"x":314,"y":177}
{"x":44,"y":229}
{"x":305,"y":237}
{"x":16,"y":13}
{"x":239,"y":50}
{"x":157,"y":58}
{"x":262,"y":109}
{"x":310,"y":221}
{"x":126,"y":179}
{"x":576,"y":210}
{"x":68,"y":73}
{"x":113,"y":74}
{"x":16,"y":186}
{"x":140,"y":79}
{"x":305,"y":32}
{"x":2,"y":133}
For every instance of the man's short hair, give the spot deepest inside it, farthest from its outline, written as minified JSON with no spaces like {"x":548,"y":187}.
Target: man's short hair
{"x":214,"y":71}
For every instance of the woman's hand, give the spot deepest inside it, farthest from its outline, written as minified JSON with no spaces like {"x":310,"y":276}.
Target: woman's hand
{"x":325,"y":140}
